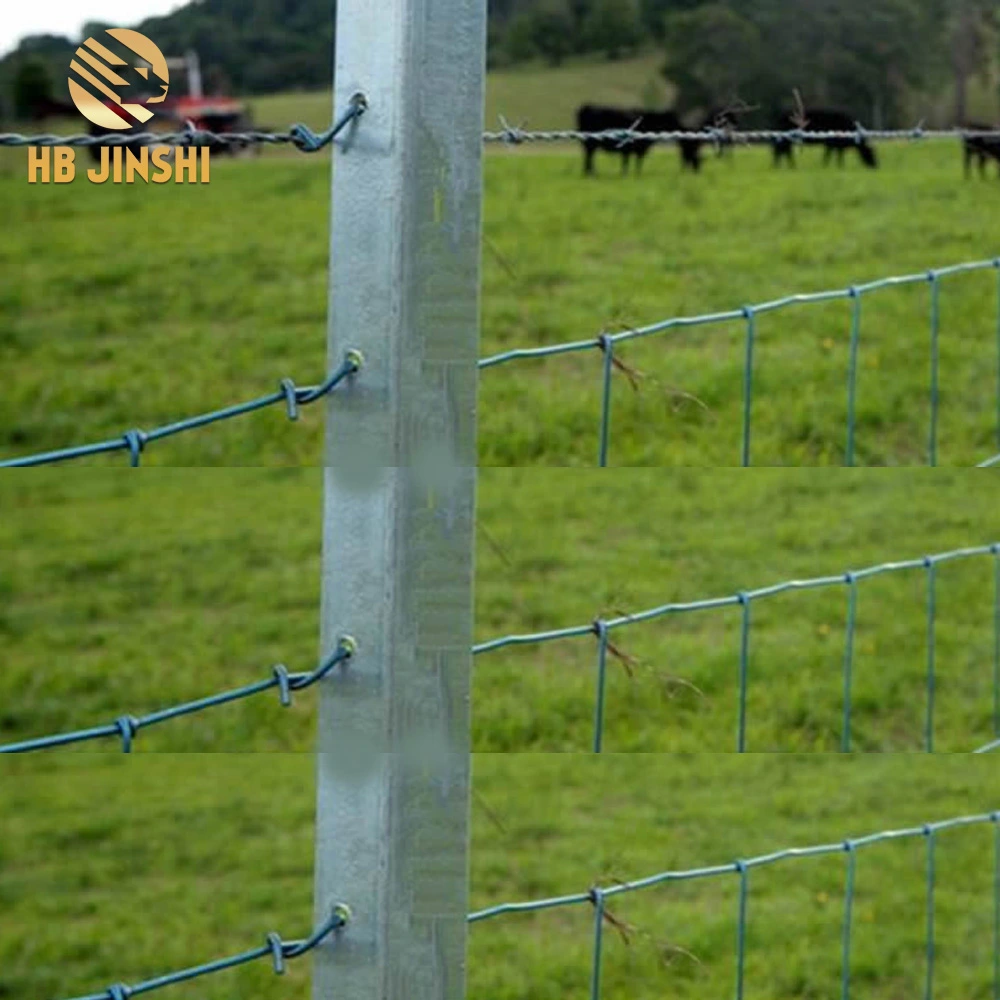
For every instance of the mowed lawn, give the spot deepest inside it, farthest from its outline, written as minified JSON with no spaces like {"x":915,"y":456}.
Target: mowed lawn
{"x":118,"y":870}
{"x":124,"y":592}
{"x":131,"y":307}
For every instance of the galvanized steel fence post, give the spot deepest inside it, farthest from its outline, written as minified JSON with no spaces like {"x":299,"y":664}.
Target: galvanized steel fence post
{"x":399,"y":482}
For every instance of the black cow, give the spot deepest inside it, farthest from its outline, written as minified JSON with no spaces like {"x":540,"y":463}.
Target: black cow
{"x":980,"y":148}
{"x":592,"y":118}
{"x":821,"y":120}
{"x":717,"y":118}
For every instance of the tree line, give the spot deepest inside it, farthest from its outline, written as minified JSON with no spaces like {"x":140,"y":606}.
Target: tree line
{"x":869,"y":57}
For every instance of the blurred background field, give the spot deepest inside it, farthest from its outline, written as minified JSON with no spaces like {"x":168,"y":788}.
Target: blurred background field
{"x":126,"y":592}
{"x":204,"y":296}
{"x":117,"y":870}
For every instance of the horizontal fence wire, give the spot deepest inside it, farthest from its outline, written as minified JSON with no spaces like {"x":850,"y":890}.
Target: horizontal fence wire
{"x":125,"y":727}
{"x":274,"y":948}
{"x":850,"y":848}
{"x":748,"y":315}
{"x":601,"y":629}
{"x":513,"y":135}
{"x":135,"y":441}
{"x":300,"y":136}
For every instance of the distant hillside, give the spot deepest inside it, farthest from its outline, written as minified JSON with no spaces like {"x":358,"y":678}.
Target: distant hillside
{"x":246,"y":46}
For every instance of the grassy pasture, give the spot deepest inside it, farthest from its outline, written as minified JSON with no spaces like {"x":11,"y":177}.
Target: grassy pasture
{"x":126,"y":592}
{"x":192,"y":298}
{"x":115,"y":870}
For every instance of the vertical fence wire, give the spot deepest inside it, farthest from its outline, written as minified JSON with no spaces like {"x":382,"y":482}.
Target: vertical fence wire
{"x":996,"y":264}
{"x":996,"y":906}
{"x":929,"y":981}
{"x":933,"y":278}
{"x":996,"y":641}
{"x":852,"y":373}
{"x":852,"y":616}
{"x":751,"y":318}
{"x":931,"y":651}
{"x":741,"y":928}
{"x":608,"y":347}
{"x":597,"y":898}
{"x":741,"y":728}
{"x":601,"y":628}
{"x":845,"y":951}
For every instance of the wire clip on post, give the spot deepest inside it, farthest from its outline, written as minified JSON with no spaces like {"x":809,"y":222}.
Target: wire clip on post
{"x":275,"y":948}
{"x":126,"y":727}
{"x":300,"y":136}
{"x":135,"y":441}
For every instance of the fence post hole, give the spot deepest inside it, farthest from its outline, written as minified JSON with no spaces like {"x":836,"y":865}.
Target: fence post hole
{"x":399,"y":482}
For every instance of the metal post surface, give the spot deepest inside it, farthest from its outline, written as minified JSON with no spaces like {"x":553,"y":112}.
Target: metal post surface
{"x":399,"y":483}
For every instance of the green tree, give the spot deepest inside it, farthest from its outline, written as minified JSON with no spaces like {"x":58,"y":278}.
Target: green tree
{"x":32,"y":88}
{"x":613,"y":27}
{"x":553,"y":28}
{"x":713,"y":54}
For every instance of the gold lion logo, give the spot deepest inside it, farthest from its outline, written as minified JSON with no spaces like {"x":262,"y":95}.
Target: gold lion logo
{"x":92,"y":63}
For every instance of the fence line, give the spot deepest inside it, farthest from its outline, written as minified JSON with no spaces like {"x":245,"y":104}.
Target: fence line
{"x":513,"y":135}
{"x":275,"y":948}
{"x":300,"y":136}
{"x":606,"y":343}
{"x":304,"y":139}
{"x":135,"y":441}
{"x":126,"y":726}
{"x":602,"y":628}
{"x":850,"y":847}
{"x":279,"y":950}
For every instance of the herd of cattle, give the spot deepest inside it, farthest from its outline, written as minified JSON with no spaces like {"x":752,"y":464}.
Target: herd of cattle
{"x":591,"y":119}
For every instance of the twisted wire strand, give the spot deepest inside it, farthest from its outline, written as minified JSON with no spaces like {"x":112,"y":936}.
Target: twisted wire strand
{"x":275,"y":948}
{"x":135,"y":441}
{"x":740,"y":598}
{"x":512,"y":135}
{"x":300,"y":136}
{"x":126,"y":727}
{"x":732,"y":315}
{"x":736,"y":867}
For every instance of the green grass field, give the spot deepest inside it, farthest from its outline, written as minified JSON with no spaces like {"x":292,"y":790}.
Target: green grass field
{"x":117,"y":870}
{"x":199,"y":297}
{"x":126,"y":592}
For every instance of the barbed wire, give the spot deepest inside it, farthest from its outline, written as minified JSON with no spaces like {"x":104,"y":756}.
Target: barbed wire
{"x":125,"y":727}
{"x":513,"y":135}
{"x":749,"y":314}
{"x":300,"y":136}
{"x":135,"y":441}
{"x":276,"y":949}
{"x":304,"y":139}
{"x":850,"y":848}
{"x":601,"y":629}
